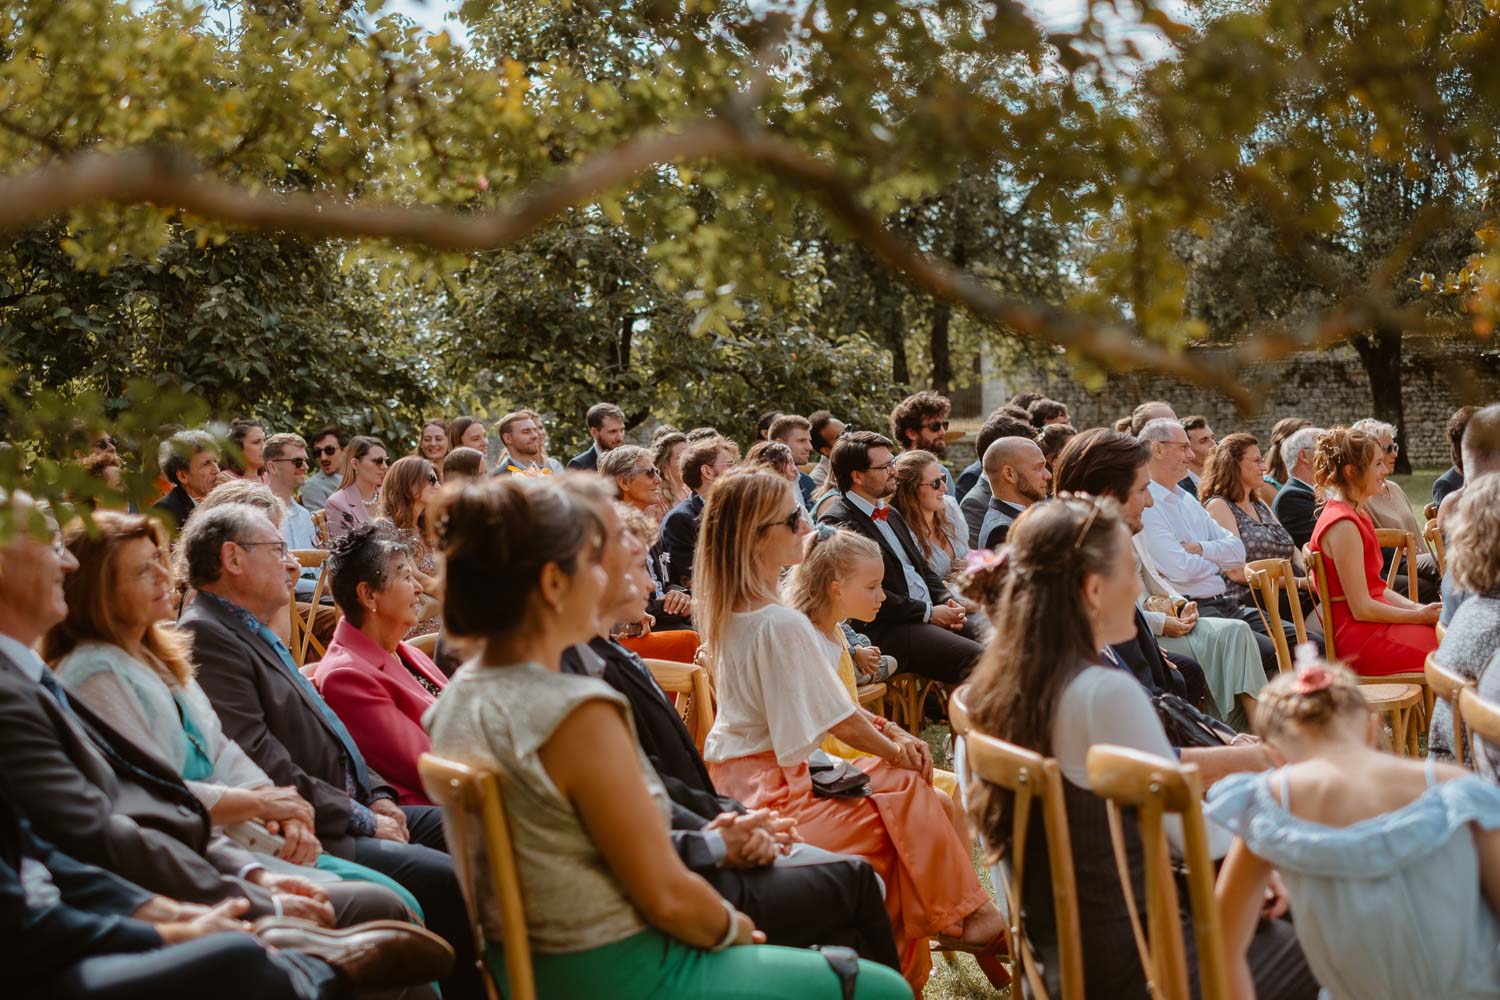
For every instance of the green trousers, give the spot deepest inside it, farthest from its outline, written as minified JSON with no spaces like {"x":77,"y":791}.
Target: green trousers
{"x":650,"y":964}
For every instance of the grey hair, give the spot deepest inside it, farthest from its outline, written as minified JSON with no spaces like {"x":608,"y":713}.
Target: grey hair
{"x":1374,"y":428}
{"x":1305,"y":439}
{"x":176,"y":452}
{"x":621,"y":461}
{"x":202,"y":540}
{"x":1160,"y":429}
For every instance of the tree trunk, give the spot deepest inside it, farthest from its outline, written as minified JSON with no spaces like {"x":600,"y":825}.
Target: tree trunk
{"x":939,"y":347}
{"x":1380,"y":352}
{"x":900,"y":371}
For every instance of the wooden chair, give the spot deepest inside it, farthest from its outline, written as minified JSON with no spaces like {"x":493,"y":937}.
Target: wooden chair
{"x":1447,"y":685}
{"x":1268,"y":580}
{"x":1319,"y":570}
{"x":1429,"y":513}
{"x":906,"y":698}
{"x":303,"y":640}
{"x":467,"y":794}
{"x":320,"y":525}
{"x":688,"y":683}
{"x":1156,"y":787}
{"x":1405,"y":544}
{"x":1029,"y":777}
{"x":1434,"y":539}
{"x":1481,"y":718}
{"x":872,"y":696}
{"x":426,"y":643}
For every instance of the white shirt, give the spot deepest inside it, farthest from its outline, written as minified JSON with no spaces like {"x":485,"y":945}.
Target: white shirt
{"x":298,"y":532}
{"x":776,"y":692}
{"x":916,"y":587}
{"x":1176,"y":517}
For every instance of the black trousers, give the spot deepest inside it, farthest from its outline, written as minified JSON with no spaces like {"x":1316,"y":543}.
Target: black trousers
{"x":424,"y":868}
{"x":1194,"y":681}
{"x":222,"y":966}
{"x":836,"y":901}
{"x":929,"y":650}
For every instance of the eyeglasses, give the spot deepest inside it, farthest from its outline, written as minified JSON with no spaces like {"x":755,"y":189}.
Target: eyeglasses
{"x":280,"y":547}
{"x":326,"y":451}
{"x":940,"y":484}
{"x":299,"y":461}
{"x":789,"y":522}
{"x":936,"y":425}
{"x":881,"y":468}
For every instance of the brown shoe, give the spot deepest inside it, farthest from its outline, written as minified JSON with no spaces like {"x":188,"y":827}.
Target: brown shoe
{"x":379,"y":954}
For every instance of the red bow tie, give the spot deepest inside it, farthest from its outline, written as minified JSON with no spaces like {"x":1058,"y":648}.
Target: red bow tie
{"x":880,"y":513}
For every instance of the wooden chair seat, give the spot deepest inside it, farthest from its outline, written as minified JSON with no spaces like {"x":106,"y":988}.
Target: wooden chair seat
{"x":688,"y":684}
{"x":1447,"y":685}
{"x":466,"y":795}
{"x":1401,"y":704}
{"x":1034,"y":781}
{"x":872,"y":696}
{"x":1155,"y":787}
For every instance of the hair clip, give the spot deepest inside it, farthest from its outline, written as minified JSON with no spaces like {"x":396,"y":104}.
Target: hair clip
{"x":1312,"y":676}
{"x":825,"y":531}
{"x":986,"y":560}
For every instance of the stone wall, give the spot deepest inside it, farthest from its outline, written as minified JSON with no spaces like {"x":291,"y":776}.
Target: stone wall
{"x":1328,"y":387}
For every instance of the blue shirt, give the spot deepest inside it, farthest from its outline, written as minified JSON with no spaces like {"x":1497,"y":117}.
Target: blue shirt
{"x":916,"y":587}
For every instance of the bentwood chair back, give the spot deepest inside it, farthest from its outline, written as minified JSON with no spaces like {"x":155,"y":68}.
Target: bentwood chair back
{"x":1434,"y":539}
{"x":426,"y":643}
{"x":1405,"y":544}
{"x":303,"y":640}
{"x":1157,"y":787}
{"x":1268,"y":580}
{"x":1034,"y":782}
{"x":1447,"y":685}
{"x":1482,"y":719}
{"x":471,"y":802}
{"x":688,"y":684}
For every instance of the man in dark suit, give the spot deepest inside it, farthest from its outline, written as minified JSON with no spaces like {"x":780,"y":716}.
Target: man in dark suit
{"x":239,"y":566}
{"x":810,"y":898}
{"x":796,"y":433}
{"x":105,"y":801}
{"x":190,"y":462}
{"x":75,"y":930}
{"x":919,"y":623}
{"x":702,"y":462}
{"x":1295,"y":506}
{"x":975,"y":491}
{"x":606,"y":424}
{"x":1017,"y":472}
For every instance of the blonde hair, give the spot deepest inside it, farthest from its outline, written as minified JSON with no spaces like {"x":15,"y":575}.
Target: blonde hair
{"x":1282,"y":705}
{"x":1474,"y":537}
{"x":832,"y":556}
{"x":725,"y":568}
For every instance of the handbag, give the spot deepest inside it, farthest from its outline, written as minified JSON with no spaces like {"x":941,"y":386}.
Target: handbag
{"x":1186,"y":726}
{"x":836,"y":779}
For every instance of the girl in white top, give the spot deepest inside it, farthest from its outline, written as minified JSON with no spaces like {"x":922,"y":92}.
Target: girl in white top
{"x":778,"y":700}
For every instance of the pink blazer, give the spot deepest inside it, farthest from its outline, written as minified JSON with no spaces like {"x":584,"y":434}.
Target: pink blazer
{"x":345,"y":509}
{"x":381,"y":704}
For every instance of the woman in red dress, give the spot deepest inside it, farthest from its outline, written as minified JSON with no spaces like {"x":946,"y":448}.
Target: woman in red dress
{"x":1375,"y":630}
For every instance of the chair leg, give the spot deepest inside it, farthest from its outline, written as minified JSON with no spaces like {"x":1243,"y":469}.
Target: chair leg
{"x":1397,"y":720}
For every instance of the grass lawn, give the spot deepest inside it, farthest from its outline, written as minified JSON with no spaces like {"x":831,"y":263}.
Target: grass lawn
{"x":1418,"y":487}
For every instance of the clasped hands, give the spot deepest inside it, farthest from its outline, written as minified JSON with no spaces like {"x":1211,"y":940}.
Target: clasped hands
{"x":755,"y":838}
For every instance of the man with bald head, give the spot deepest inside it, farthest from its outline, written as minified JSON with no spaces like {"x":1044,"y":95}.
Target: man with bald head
{"x":1017,"y":471}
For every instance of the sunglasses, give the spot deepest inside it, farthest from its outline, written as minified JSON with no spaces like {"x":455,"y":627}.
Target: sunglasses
{"x":327,"y":451}
{"x":378,"y":460}
{"x":1393,"y":449}
{"x":433,"y":479}
{"x":651,"y":471}
{"x":789,"y":522}
{"x":940,"y":484}
{"x":936,"y":425}
{"x":299,"y":461}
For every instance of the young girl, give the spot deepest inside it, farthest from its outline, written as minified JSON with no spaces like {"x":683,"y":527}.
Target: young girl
{"x":840,"y":577}
{"x":1392,"y":866}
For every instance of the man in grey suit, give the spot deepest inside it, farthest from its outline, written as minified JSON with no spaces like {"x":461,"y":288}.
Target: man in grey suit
{"x":1017,"y":472}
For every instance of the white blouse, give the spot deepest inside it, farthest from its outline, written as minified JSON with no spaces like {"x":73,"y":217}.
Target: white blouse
{"x":775,"y":690}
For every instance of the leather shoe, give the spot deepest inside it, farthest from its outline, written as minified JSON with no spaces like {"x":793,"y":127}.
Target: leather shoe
{"x":378,"y":954}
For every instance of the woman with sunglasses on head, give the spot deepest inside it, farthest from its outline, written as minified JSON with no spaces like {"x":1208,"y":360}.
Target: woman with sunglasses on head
{"x":1389,"y":507}
{"x":409,"y":484}
{"x":1067,"y":582}
{"x":1376,"y":629}
{"x":779,"y":698}
{"x":358,"y":495}
{"x":610,"y":909}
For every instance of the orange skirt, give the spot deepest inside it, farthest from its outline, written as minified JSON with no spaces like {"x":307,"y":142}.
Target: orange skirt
{"x":679,"y":646}
{"x":900,"y":828}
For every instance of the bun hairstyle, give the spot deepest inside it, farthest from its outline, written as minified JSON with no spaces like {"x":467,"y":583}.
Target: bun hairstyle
{"x":1336,"y":449}
{"x":1308,"y":700}
{"x":495,"y":536}
{"x":830,"y":556}
{"x":1034,"y":588}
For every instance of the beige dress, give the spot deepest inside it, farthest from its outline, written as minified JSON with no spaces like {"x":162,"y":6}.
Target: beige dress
{"x":499,"y":718}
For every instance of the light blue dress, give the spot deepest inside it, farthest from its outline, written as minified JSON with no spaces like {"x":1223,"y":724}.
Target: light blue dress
{"x":1391,"y":906}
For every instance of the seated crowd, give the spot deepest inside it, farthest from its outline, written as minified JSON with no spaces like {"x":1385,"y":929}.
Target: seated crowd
{"x":215,"y":712}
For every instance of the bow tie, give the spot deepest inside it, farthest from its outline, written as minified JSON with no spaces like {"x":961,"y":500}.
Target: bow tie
{"x":880,"y":513}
